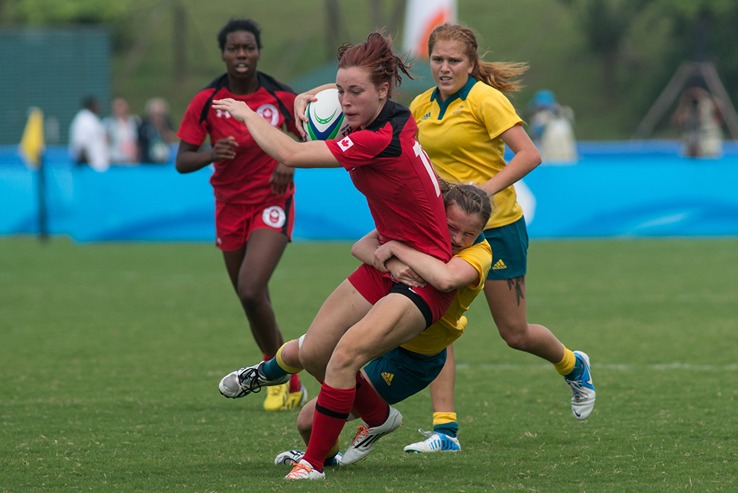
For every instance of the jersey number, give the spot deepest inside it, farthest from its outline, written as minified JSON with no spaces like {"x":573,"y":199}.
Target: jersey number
{"x":419,"y":152}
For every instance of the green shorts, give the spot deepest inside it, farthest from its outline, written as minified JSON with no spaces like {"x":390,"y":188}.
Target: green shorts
{"x":398,"y":374}
{"x":509,"y":250}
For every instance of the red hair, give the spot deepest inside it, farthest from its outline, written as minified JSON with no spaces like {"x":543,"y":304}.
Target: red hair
{"x":375,"y":55}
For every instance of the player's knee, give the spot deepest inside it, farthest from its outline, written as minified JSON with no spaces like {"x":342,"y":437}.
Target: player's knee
{"x":291,"y":353}
{"x":515,"y":337}
{"x":304,"y":422}
{"x":313,"y":363}
{"x":251,"y":296}
{"x":346,"y":359}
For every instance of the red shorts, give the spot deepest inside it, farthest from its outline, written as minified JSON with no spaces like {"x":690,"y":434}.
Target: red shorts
{"x":235,"y":222}
{"x":374,"y":285}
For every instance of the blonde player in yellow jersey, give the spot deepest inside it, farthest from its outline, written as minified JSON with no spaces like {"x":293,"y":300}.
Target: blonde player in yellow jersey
{"x":464,"y":124}
{"x":406,"y":370}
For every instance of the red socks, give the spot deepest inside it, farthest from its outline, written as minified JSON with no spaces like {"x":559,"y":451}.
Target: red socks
{"x":331,"y":411}
{"x":295,"y":385}
{"x":368,"y":405}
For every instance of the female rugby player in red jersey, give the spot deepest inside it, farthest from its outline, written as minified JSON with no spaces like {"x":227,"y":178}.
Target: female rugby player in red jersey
{"x":254,"y":207}
{"x":369,"y":313}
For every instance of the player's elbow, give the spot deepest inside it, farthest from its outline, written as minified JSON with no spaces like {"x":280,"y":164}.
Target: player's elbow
{"x":445,"y":284}
{"x":289,"y":160}
{"x":180,"y":166}
{"x":184,"y":163}
{"x":356,"y":251}
{"x":290,"y":155}
{"x":534,"y":157}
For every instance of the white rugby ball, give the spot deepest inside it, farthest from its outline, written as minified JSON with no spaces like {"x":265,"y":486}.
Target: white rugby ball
{"x":325,"y":120}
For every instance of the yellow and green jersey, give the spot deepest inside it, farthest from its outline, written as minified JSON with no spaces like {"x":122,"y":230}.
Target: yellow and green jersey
{"x":462,"y":138}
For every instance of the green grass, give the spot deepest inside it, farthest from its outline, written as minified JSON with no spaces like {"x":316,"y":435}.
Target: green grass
{"x":111,"y":353}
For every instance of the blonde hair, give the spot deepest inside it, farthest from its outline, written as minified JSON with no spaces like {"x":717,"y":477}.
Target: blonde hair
{"x":500,"y":75}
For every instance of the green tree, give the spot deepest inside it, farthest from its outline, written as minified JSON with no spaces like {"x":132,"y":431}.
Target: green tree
{"x":606,"y":25}
{"x":47,"y":12}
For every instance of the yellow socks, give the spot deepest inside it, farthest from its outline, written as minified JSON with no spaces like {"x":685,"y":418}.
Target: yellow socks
{"x":566,"y":365}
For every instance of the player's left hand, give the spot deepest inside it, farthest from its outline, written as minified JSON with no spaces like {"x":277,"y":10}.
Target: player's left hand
{"x":281,"y":179}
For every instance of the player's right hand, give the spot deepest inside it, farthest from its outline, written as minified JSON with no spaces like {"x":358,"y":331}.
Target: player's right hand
{"x":300,"y":107}
{"x":224,"y":149}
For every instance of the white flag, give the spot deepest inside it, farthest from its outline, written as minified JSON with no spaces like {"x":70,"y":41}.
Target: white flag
{"x":421,"y":17}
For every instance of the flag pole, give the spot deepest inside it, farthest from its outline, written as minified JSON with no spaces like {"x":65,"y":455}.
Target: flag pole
{"x":43,"y":214}
{"x":32,"y":146}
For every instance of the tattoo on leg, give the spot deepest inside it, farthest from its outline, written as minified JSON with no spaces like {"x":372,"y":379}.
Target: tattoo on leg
{"x":517,"y":283}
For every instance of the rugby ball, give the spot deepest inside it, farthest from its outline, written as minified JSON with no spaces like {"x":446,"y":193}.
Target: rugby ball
{"x":325,"y":120}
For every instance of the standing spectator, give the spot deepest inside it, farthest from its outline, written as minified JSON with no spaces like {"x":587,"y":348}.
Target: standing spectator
{"x":699,"y":115}
{"x":156,"y":133}
{"x":254,"y":193}
{"x":87,"y":142}
{"x":552,"y":129}
{"x":121,"y":129}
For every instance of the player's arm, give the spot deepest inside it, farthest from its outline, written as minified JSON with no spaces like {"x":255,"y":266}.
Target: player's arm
{"x":525,"y":159}
{"x":364,"y":250}
{"x":190,"y":157}
{"x":277,"y":144}
{"x":442,"y":276}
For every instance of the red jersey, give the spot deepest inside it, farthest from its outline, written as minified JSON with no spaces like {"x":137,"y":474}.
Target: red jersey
{"x":390,"y":168}
{"x":244,"y":179}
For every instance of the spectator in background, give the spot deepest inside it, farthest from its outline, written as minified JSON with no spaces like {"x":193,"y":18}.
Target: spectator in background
{"x":87,"y":142}
{"x":699,"y":116}
{"x":156,"y":134}
{"x":552,"y":128}
{"x":121,"y":129}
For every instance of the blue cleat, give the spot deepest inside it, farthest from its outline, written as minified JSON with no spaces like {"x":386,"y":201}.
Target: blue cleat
{"x":435,"y":442}
{"x":582,"y":388}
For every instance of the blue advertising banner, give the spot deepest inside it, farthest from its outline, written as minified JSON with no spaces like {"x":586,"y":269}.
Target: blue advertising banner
{"x":612,"y":191}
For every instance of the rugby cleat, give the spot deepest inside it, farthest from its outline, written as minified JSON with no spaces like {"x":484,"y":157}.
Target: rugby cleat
{"x":295,"y":400}
{"x":292,"y":457}
{"x":304,"y":470}
{"x":434,"y":442}
{"x":366,"y":437}
{"x":276,"y":397}
{"x":582,"y":388}
{"x":245,"y":381}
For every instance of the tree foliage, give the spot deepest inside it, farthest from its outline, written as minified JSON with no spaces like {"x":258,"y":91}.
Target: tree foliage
{"x":702,"y":30}
{"x":48,"y":12}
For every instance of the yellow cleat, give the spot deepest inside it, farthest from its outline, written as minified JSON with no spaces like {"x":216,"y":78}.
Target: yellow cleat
{"x":295,"y":400}
{"x":276,"y":397}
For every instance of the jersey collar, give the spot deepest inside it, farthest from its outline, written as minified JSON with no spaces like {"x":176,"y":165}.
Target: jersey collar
{"x":462,"y":94}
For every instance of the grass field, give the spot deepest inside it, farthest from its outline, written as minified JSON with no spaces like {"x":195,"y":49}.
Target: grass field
{"x":111,"y":355}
